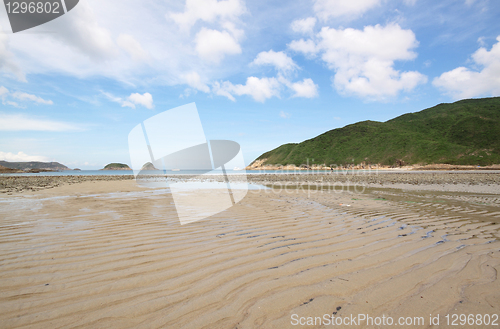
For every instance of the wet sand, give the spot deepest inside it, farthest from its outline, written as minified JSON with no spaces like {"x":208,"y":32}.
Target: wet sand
{"x":108,"y":253}
{"x":442,"y":180}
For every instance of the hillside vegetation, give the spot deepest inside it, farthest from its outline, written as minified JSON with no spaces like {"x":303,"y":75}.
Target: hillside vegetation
{"x":466,"y":132}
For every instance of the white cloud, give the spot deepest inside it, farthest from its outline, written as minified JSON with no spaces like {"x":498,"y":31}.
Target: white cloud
{"x":116,"y":99}
{"x":7,"y":61}
{"x":284,"y":114}
{"x":19,"y":122}
{"x":385,"y":43}
{"x":306,"y":88}
{"x":259,"y":89}
{"x":145,"y":100}
{"x":131,"y":101}
{"x":208,"y":11}
{"x":279,"y":60}
{"x":465,"y":83}
{"x":4,"y":94}
{"x":263,"y":88}
{"x":307,"y":47}
{"x":28,"y":97}
{"x":21,"y":157}
{"x":132,"y":47}
{"x":193,"y":79}
{"x":213,"y":45}
{"x":83,"y":32}
{"x":326,"y":9}
{"x":118,"y":39}
{"x":304,"y":26}
{"x":231,"y":28}
{"x":15,"y":104}
{"x":126,"y":41}
{"x":363,"y":60}
{"x":79,"y":44}
{"x":223,"y":89}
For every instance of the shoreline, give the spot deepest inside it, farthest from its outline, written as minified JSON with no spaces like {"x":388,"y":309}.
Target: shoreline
{"x":479,"y":182}
{"x":258,"y":165}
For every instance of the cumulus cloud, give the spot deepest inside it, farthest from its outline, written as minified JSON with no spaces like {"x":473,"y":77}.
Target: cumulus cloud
{"x":307,"y":47}
{"x":20,"y":122}
{"x":305,"y":88}
{"x":281,"y":61}
{"x":194,"y":80}
{"x":304,"y":26}
{"x":465,"y":83}
{"x":208,"y":11}
{"x":131,"y":101}
{"x":259,"y":89}
{"x":326,"y":9}
{"x":21,"y":157}
{"x":145,"y":100}
{"x":214,"y":45}
{"x":363,"y":60}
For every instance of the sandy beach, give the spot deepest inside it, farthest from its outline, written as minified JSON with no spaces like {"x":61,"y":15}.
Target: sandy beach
{"x":106,"y":253}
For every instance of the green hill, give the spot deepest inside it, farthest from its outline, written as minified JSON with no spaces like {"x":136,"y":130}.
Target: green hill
{"x":466,"y":132}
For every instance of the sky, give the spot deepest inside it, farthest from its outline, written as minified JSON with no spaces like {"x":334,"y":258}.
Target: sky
{"x":262,"y":72}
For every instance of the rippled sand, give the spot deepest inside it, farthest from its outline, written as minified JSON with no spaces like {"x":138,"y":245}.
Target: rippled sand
{"x":110,"y":254}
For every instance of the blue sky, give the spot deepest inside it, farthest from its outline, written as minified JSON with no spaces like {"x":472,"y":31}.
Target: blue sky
{"x":261,"y":73}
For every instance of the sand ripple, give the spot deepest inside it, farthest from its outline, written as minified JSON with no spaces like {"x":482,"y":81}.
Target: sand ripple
{"x":95,"y":259}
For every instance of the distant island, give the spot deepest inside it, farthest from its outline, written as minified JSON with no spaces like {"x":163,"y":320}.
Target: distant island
{"x":33,"y":166}
{"x":466,"y":132}
{"x":116,"y":166}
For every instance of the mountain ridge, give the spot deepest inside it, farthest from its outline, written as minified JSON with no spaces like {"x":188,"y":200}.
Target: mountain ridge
{"x":38,"y":165}
{"x":460,"y":133}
